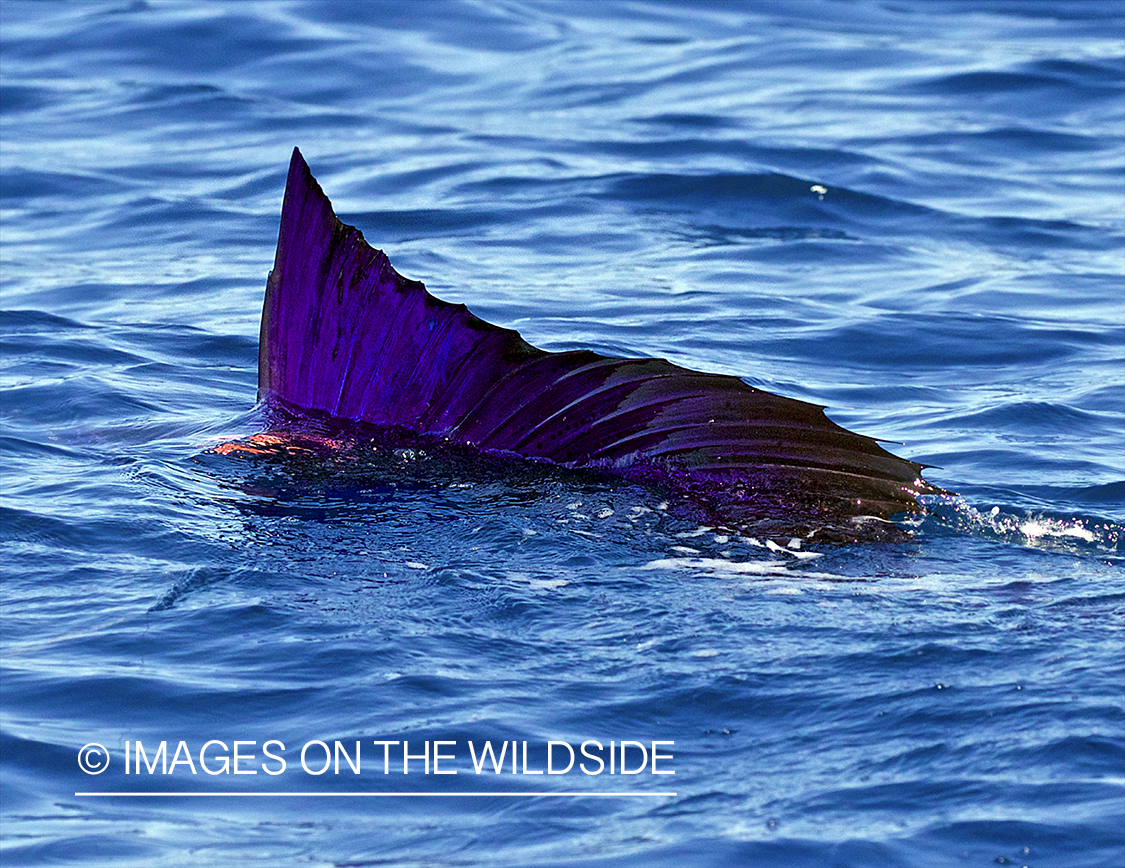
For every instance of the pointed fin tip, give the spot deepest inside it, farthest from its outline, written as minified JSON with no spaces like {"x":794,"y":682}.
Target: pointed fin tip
{"x":298,"y":167}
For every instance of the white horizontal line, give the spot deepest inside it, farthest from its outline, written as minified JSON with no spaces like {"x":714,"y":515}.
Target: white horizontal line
{"x":376,"y":795}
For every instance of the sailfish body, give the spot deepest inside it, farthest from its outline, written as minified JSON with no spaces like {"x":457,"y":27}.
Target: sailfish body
{"x":344,"y":335}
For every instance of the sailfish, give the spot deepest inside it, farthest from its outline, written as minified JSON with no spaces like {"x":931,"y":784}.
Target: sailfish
{"x":345,"y":337}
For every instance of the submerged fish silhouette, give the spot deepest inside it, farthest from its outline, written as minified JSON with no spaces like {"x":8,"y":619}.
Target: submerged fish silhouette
{"x":344,"y":335}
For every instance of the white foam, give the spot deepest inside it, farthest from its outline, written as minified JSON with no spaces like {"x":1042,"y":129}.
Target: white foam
{"x":1036,"y":528}
{"x":718,"y":565}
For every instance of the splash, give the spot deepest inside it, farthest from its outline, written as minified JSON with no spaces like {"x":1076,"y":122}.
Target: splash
{"x":1083,"y":535}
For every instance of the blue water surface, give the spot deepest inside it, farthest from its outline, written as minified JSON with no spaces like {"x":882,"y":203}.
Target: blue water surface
{"x":911,"y":213}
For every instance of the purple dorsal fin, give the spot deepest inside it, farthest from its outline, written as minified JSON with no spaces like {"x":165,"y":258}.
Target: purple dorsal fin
{"x":344,"y":334}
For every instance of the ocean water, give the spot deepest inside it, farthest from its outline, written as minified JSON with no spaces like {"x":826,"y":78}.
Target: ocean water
{"x":911,"y":213}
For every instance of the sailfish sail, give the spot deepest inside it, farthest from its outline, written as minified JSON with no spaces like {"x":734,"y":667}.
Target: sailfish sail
{"x":343,"y":334}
